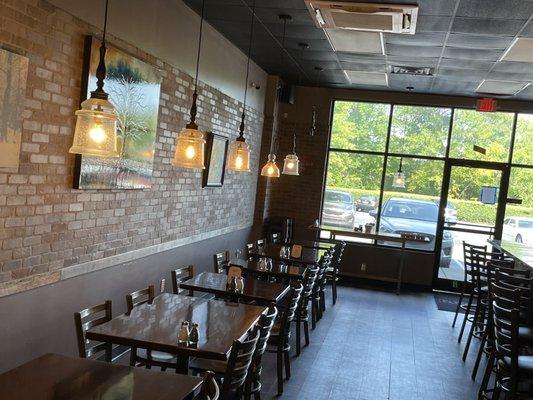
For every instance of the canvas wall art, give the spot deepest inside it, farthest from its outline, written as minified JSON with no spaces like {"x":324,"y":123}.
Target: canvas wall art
{"x":134,"y":88}
{"x":13,"y":75}
{"x":215,"y":156}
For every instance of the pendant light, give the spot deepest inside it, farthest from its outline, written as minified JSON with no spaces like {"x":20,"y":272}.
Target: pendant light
{"x":312,"y":129}
{"x":398,"y":181}
{"x":291,"y":162}
{"x":96,"y":122}
{"x":239,"y":151}
{"x":190,"y":142}
{"x":270,"y":169}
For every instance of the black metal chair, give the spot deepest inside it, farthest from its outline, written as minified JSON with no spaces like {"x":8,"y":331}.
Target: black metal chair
{"x":87,"y":319}
{"x":220,"y":260}
{"x":179,"y":276}
{"x":333,"y":270}
{"x":302,"y":313}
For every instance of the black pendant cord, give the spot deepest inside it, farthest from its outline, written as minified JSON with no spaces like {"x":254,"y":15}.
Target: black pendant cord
{"x":99,"y":93}
{"x":401,"y":161}
{"x":243,"y":116}
{"x":294,"y":144}
{"x":192,"y":124}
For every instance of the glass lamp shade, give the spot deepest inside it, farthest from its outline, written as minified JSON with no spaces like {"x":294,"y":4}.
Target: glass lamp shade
{"x":189,"y":153}
{"x":399,"y":180}
{"x":239,"y":156}
{"x":96,"y":129}
{"x":270,"y":169}
{"x":290,"y":165}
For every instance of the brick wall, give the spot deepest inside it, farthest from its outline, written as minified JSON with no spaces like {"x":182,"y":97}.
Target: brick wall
{"x":46,"y":227}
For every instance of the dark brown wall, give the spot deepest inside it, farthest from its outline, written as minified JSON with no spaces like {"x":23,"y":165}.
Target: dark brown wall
{"x":301,"y":197}
{"x":40,"y":320}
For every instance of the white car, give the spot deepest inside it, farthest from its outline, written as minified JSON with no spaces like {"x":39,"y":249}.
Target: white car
{"x":518,"y":229}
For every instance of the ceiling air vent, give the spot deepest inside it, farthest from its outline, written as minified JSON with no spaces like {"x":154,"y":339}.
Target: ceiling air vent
{"x":393,"y":18}
{"x":402,"y":70}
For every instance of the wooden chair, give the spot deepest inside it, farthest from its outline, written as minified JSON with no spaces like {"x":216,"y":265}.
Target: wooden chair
{"x":279,"y":340}
{"x":181,"y":275}
{"x":220,"y":261}
{"x":512,"y":368}
{"x":144,"y":357}
{"x":139,"y":297}
{"x":87,"y":319}
{"x":210,"y":389}
{"x":302,"y":313}
{"x":333,"y":270}
{"x":253,"y":380}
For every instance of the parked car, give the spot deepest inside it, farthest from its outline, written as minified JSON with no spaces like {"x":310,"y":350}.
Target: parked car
{"x":450,"y":212}
{"x":408,"y":216}
{"x":338,"y":209}
{"x":366,"y":203}
{"x":518,"y":229}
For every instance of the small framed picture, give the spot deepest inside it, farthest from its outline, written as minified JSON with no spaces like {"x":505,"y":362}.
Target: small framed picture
{"x":216,"y":148}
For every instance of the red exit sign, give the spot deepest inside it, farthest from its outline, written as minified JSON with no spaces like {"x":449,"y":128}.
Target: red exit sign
{"x":486,"y":105}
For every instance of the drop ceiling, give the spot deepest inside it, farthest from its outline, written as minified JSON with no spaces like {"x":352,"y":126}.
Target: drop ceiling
{"x":462,"y":40}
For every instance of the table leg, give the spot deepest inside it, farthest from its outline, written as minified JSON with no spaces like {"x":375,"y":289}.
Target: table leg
{"x":400,"y":269}
{"x":182,"y":364}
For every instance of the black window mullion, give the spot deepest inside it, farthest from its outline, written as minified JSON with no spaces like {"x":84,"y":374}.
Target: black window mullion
{"x":384,"y":172}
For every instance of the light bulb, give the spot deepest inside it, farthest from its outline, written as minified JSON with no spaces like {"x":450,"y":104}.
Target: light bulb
{"x":190,"y":152}
{"x":290,"y":165}
{"x":238,"y":162}
{"x":270,"y":170}
{"x":97,"y":133}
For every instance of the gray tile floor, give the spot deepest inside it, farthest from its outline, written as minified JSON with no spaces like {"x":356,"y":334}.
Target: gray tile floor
{"x":374,"y":345}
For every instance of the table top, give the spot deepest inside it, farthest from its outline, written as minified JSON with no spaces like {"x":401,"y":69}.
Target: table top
{"x":278,"y":269}
{"x":309,"y":256}
{"x":55,"y":377}
{"x":155,"y":326}
{"x":264,"y":292}
{"x":518,"y":251}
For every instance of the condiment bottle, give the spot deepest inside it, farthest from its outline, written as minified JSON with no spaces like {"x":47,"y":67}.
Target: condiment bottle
{"x":194,"y":337}
{"x":183,"y":335}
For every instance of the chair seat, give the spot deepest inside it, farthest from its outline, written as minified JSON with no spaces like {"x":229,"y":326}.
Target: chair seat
{"x":525,"y":365}
{"x":156,"y":355}
{"x":202,"y":364}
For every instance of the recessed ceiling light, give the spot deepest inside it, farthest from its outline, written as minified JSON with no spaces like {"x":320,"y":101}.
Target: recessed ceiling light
{"x":501,"y":88}
{"x":521,"y":49}
{"x":355,"y":41}
{"x":367,"y":78}
{"x":404,"y":70}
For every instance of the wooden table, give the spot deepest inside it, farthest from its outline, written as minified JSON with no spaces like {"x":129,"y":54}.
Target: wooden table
{"x":55,"y":377}
{"x":155,"y":326}
{"x":309,"y":256}
{"x":401,"y":240}
{"x":279,"y":270}
{"x":521,"y":253}
{"x":254,"y":290}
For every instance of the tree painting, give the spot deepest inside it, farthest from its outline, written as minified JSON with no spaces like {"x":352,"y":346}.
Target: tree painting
{"x":13,"y":74}
{"x":134,"y":88}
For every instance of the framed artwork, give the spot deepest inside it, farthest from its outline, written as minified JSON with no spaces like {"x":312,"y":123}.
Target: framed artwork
{"x":134,"y":88}
{"x":13,"y":76}
{"x":216,"y":148}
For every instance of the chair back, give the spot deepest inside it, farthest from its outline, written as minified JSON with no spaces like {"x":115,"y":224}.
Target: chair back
{"x":338,"y":251}
{"x":220,"y":260}
{"x":249,"y":249}
{"x":210,"y":389}
{"x":87,"y":319}
{"x":311,"y":274}
{"x":179,"y":276}
{"x":260,"y":243}
{"x":289,"y":312}
{"x":506,"y":321}
{"x":468,"y":257}
{"x":275,"y":238}
{"x":238,"y":364}
{"x":140,"y":297}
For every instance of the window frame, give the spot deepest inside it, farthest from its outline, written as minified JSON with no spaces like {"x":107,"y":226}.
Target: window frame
{"x":386,"y":154}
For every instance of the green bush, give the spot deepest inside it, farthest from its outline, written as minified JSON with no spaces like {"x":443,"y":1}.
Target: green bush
{"x":467,"y":210}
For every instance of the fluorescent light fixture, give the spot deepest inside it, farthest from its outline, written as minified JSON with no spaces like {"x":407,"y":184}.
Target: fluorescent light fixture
{"x":520,"y":50}
{"x":501,"y":88}
{"x":349,"y":41}
{"x":367,"y":78}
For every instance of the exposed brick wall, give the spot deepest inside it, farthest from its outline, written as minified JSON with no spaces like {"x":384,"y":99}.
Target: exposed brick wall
{"x":45,"y":225}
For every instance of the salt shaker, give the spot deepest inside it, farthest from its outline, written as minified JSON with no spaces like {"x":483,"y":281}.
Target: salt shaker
{"x":183,"y":335}
{"x":240,"y":284}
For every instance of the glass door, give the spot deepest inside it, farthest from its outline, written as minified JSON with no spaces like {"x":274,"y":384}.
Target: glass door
{"x":471,"y":211}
